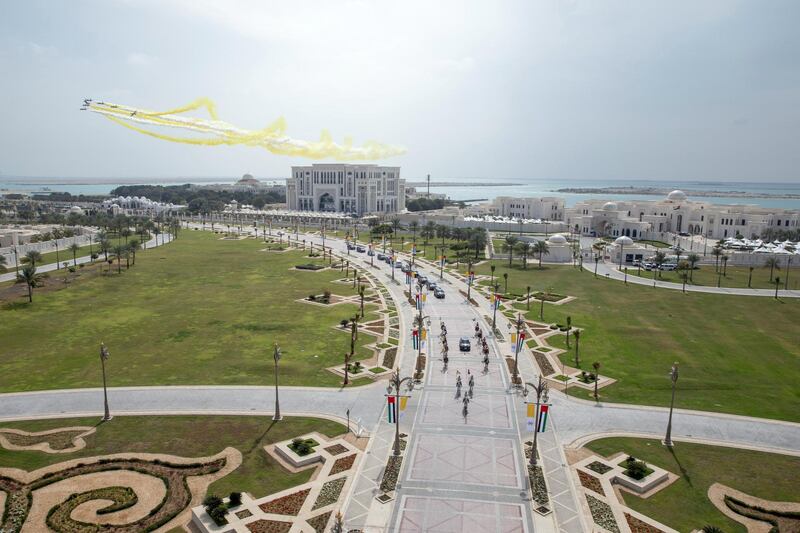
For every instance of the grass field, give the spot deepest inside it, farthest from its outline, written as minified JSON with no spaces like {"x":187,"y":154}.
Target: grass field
{"x":50,"y":257}
{"x":684,"y":505}
{"x":187,"y":436}
{"x":734,"y":276}
{"x":198,"y":311}
{"x":725,"y":344}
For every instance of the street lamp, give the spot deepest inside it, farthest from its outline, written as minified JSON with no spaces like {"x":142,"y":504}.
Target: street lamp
{"x":495,"y":305}
{"x":103,"y":357}
{"x":277,"y":356}
{"x":515,"y":377}
{"x":395,"y":382}
{"x":673,"y":376}
{"x":541,"y":389}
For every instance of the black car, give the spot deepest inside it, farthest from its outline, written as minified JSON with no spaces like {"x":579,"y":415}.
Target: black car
{"x":422,"y":280}
{"x":464,"y":344}
{"x":439,"y":293}
{"x":380,"y":256}
{"x":360,"y":249}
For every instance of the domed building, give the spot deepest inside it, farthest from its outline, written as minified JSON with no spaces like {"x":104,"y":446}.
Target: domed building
{"x":247,"y":182}
{"x":676,"y":196}
{"x":557,"y":240}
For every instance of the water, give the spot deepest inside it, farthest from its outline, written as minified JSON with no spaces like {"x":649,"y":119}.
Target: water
{"x":528,"y":187}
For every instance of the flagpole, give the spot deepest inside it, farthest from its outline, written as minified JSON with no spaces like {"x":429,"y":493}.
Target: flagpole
{"x":515,"y":377}
{"x":103,"y":357}
{"x":541,"y":390}
{"x":395,"y":382}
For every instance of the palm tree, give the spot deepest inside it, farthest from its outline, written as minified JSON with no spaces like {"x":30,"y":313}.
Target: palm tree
{"x":428,"y":231}
{"x":477,"y":240}
{"x":522,"y":249}
{"x":395,"y":227}
{"x":725,"y":265}
{"x":29,"y":277}
{"x":528,"y":303}
{"x":74,"y":249}
{"x":492,"y":268}
{"x":505,"y":278}
{"x":105,"y":247}
{"x":2,"y":263}
{"x":772,"y":263}
{"x":716,"y":251}
{"x":693,"y":260}
{"x":750,"y":277}
{"x":413,"y":226}
{"x":541,"y":248}
{"x":596,"y":367}
{"x":659,"y":260}
{"x":133,"y":246}
{"x":508,"y":246}
{"x":32,"y":257}
{"x":443,"y":232}
{"x":126,"y":232}
{"x":119,"y":251}
{"x":577,"y":336}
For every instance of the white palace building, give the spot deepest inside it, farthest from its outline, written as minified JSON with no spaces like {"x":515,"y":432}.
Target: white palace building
{"x":342,"y":188}
{"x":645,"y":219}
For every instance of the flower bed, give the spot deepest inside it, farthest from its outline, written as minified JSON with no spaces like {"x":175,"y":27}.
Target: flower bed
{"x":122,"y":498}
{"x":320,"y":521}
{"x":269,"y":526}
{"x":60,"y":440}
{"x":244,"y":513}
{"x":602,"y":514}
{"x":337,"y":449}
{"x":600,"y":468}
{"x":538,"y":485}
{"x":591,"y":482}
{"x":544,"y":363}
{"x":345,"y":463}
{"x":639,"y":526}
{"x":389,"y":357}
{"x":329,"y":494}
{"x":288,"y":505}
{"x":303,"y":447}
{"x":389,"y":481}
{"x":309,"y":266}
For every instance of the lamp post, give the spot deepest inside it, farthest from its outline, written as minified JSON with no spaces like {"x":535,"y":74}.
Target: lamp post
{"x":277,"y":356}
{"x":421,"y":324}
{"x":596,"y":261}
{"x":470,"y":280}
{"x":495,"y":305}
{"x":394,"y":259}
{"x":673,"y":376}
{"x":515,"y":377}
{"x":395,"y":382}
{"x":541,"y":389}
{"x":103,"y":357}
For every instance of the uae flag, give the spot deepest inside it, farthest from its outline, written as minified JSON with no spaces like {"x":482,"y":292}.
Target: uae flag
{"x":519,"y":342}
{"x":391,"y":409}
{"x":543,"y":411}
{"x":415,"y":339}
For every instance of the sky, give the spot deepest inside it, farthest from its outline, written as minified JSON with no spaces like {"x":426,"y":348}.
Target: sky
{"x":601,"y":90}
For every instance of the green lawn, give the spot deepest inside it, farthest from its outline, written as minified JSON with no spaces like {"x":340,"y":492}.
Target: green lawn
{"x":684,"y":505}
{"x":50,"y":257}
{"x":734,"y":277}
{"x":198,"y":311}
{"x":186,"y":436}
{"x":724,"y":343}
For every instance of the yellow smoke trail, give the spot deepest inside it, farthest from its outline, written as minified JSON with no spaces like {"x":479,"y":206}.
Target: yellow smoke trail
{"x":217,"y":132}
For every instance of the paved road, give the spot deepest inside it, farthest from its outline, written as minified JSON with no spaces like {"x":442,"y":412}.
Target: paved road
{"x":612,"y":271}
{"x":11,"y":276}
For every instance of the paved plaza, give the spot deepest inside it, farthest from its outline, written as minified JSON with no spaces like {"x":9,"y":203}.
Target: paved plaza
{"x":447,"y":515}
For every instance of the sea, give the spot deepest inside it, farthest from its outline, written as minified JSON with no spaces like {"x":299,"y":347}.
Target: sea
{"x":470,"y":189}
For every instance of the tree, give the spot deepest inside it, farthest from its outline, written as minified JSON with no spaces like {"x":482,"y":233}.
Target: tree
{"x":349,"y":356}
{"x":361,"y":297}
{"x":522,"y":249}
{"x":508,"y":246}
{"x":105,"y":247}
{"x":569,"y":327}
{"x":596,"y":367}
{"x":505,"y":279}
{"x":577,"y":336}
{"x":772,"y":263}
{"x":477,"y":240}
{"x":540,"y":248}
{"x":395,"y":227}
{"x":443,"y":232}
{"x":428,"y":231}
{"x":492,"y":268}
{"x":528,"y":303}
{"x":32,"y":257}
{"x":659,"y":260}
{"x":725,"y":265}
{"x":413,"y":226}
{"x":74,"y":249}
{"x":31,"y":278}
{"x":119,"y":251}
{"x":134,"y":246}
{"x":716,"y":251}
{"x":125,"y":233}
{"x":2,"y":263}
{"x":693,"y":259}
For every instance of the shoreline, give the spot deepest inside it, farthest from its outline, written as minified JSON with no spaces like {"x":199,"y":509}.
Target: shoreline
{"x":656,"y":191}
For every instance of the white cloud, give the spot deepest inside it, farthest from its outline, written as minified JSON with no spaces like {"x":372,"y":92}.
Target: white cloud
{"x":140,"y":59}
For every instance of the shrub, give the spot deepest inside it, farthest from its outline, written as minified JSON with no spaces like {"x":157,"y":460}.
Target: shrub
{"x":81,"y":265}
{"x":312,"y":297}
{"x":72,"y":269}
{"x":636,"y":469}
{"x":344,"y":322}
{"x":235,"y":499}
{"x":218,"y":515}
{"x":326,"y":295}
{"x":211,"y":501}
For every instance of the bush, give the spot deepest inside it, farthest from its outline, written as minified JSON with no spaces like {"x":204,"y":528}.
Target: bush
{"x":218,"y":515}
{"x":344,"y":322}
{"x":636,"y":469}
{"x":312,"y":297}
{"x":235,"y":499}
{"x":211,"y":501}
{"x":72,"y":269}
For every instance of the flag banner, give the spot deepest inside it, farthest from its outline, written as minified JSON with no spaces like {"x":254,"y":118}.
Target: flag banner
{"x":529,"y":424}
{"x":424,"y":334}
{"x":543,"y":411}
{"x":496,"y":301}
{"x":513,"y":337}
{"x":415,"y":339}
{"x":403,"y":402}
{"x":391,"y":411}
{"x":531,"y":410}
{"x":519,"y":342}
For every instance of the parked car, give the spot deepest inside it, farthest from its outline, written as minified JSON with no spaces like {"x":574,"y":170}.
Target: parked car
{"x":439,"y":293}
{"x":432,"y":285}
{"x":380,"y":256}
{"x":464,"y":344}
{"x":351,"y":247}
{"x":422,"y":280}
{"x":371,"y":253}
{"x":648,"y":266}
{"x":683,"y":234}
{"x":669,"y":266}
{"x":360,"y":249}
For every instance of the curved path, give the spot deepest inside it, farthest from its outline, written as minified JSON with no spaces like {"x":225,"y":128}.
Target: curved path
{"x":574,"y":421}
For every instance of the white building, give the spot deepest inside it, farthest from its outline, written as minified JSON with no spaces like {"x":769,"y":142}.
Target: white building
{"x":139,"y":206}
{"x":645,"y":219}
{"x":544,"y":208}
{"x":342,"y":188}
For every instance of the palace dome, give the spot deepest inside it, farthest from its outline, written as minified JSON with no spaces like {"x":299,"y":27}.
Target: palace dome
{"x":623,"y":241}
{"x":609,"y":206}
{"x":557,"y":239}
{"x":677,"y":196}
